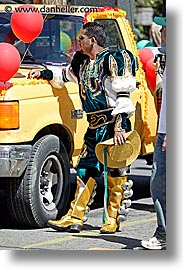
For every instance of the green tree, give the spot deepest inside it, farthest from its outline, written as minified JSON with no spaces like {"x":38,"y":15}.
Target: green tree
{"x":141,"y":31}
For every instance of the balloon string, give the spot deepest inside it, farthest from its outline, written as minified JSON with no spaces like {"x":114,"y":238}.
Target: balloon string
{"x":25,"y":53}
{"x":44,"y":19}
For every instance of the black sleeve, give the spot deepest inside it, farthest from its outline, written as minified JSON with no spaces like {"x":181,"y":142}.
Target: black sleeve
{"x":46,"y":74}
{"x":77,"y":60}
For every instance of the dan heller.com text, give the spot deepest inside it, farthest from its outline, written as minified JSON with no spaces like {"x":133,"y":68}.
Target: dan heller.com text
{"x":56,"y":9}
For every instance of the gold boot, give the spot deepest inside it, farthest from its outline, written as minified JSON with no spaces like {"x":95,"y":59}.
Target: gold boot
{"x":115,"y":186}
{"x":55,"y":223}
{"x":73,"y":220}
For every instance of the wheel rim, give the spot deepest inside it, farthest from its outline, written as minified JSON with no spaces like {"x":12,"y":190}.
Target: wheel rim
{"x":51,"y":182}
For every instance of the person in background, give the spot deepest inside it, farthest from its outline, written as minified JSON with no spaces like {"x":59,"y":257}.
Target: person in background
{"x":155,"y":35}
{"x":106,"y":100}
{"x":158,"y":177}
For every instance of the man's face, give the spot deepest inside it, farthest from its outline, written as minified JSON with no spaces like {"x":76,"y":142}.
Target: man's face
{"x":85,"y":43}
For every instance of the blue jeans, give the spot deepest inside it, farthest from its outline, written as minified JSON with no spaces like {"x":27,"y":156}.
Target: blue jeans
{"x":158,"y":187}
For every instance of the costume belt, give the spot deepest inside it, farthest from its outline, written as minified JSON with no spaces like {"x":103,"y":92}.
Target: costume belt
{"x":100,"y":118}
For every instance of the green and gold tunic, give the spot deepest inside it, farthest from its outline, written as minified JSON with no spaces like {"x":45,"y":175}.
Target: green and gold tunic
{"x":105,"y":99}
{"x":104,"y":88}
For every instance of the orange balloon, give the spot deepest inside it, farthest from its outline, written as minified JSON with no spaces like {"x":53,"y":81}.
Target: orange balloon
{"x":27,"y":22}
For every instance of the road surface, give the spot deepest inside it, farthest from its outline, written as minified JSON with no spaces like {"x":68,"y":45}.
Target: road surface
{"x":140,"y":225}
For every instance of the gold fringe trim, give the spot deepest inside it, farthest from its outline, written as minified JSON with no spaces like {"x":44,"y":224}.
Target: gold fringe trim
{"x":22,"y":82}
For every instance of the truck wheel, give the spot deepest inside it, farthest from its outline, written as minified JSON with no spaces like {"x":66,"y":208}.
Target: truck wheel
{"x":42,"y":193}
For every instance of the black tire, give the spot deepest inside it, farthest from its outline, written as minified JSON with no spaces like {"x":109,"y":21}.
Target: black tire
{"x":42,"y":192}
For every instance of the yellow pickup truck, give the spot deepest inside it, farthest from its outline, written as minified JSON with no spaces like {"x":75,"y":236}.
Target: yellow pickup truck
{"x":42,"y":128}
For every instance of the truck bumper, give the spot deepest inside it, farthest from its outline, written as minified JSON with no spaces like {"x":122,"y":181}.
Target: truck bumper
{"x":14,"y":159}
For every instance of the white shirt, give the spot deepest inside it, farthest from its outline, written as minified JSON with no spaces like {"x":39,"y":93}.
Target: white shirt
{"x":113,"y":86}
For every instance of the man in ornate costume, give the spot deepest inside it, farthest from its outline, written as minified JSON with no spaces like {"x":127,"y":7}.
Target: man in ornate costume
{"x":105,"y":97}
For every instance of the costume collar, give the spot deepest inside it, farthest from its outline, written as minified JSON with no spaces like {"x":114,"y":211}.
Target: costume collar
{"x":102,"y":52}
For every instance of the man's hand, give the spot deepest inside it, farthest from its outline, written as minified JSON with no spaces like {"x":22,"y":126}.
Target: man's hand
{"x":119,"y":137}
{"x":34,"y":73}
{"x":164,"y":145}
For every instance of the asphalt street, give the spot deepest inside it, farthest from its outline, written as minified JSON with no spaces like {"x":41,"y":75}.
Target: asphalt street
{"x":140,"y":225}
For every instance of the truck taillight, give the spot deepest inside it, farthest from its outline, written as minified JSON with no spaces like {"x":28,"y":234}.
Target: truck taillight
{"x":9,"y":115}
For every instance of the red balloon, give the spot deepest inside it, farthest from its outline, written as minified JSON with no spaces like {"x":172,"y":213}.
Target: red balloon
{"x":150,"y":75}
{"x":9,"y":61}
{"x":145,"y":54}
{"x":27,"y":22}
